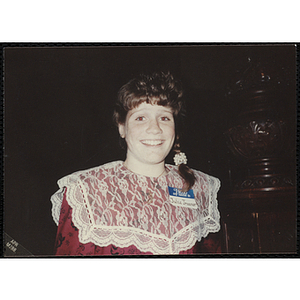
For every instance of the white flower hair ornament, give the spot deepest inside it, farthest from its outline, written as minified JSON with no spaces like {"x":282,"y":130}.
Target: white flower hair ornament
{"x":180,"y":158}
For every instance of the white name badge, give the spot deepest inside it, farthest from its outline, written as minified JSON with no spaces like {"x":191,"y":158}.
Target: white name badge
{"x":184,"y":199}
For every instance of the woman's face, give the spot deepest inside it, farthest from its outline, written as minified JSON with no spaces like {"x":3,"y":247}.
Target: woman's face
{"x":149,"y":131}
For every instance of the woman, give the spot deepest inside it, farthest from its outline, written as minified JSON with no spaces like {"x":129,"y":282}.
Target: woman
{"x":141,"y":205}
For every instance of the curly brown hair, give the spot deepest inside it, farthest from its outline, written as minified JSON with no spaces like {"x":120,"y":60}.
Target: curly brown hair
{"x":157,"y":88}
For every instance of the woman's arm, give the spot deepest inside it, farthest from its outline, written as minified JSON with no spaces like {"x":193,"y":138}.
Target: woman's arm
{"x":67,"y":241}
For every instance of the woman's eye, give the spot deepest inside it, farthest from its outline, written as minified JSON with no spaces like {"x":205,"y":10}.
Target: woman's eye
{"x":165,"y":119}
{"x":140,"y":118}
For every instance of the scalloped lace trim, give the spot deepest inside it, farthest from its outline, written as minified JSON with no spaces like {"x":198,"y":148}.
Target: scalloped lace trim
{"x":109,"y":206}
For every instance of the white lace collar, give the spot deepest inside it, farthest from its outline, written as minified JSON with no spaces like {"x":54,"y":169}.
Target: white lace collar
{"x":111,"y":206}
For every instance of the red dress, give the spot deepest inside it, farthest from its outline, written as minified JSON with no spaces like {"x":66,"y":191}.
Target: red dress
{"x":112,"y":216}
{"x":67,"y":242}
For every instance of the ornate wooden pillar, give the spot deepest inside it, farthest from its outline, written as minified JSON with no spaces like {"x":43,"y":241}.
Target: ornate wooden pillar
{"x":259,"y":214}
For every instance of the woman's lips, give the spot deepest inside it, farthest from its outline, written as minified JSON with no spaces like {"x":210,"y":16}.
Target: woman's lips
{"x":152,"y":142}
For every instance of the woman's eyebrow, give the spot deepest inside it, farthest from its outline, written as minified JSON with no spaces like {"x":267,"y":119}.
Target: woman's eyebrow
{"x":166,"y":110}
{"x":141,"y":111}
{"x":145,"y":110}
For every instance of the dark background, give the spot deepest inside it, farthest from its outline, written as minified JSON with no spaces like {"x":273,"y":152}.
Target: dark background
{"x":58,"y":117}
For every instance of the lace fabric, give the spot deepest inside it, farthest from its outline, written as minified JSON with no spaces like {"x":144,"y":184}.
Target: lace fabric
{"x":112,"y":205}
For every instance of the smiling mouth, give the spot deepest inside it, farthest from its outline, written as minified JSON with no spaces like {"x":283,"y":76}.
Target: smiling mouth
{"x":152,"y":142}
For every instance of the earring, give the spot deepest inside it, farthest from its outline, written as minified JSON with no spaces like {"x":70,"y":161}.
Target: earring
{"x":180,"y":158}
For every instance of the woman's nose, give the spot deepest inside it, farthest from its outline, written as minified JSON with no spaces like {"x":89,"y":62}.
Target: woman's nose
{"x":154,"y":127}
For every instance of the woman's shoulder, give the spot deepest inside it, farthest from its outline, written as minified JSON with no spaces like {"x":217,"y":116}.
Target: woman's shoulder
{"x":105,"y":169}
{"x":213,"y":181}
{"x":201,"y":178}
{"x":202,"y":174}
{"x":197,"y":173}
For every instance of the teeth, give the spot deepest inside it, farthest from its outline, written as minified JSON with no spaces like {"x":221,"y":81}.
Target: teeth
{"x":152,"y":142}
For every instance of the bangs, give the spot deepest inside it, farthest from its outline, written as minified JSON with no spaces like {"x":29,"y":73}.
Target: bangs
{"x":135,"y":101}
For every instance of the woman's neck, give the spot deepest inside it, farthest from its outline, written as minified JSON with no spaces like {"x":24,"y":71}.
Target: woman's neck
{"x":155,"y":170}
